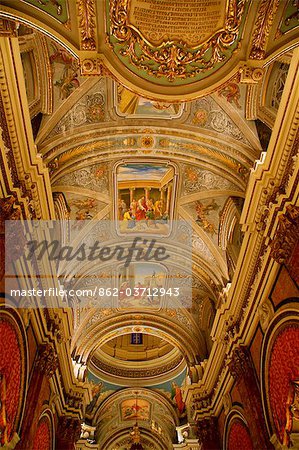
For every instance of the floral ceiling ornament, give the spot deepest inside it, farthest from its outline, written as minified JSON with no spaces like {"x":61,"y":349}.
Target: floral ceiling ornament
{"x":173,"y":60}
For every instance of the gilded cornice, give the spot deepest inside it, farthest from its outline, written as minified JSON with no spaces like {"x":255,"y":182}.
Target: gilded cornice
{"x":131,"y":374}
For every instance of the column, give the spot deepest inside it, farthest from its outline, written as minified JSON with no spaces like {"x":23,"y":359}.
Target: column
{"x":242,"y":369}
{"x":208,"y":434}
{"x":44,"y":368}
{"x":147,"y":192}
{"x":162,"y":197}
{"x":131,"y":194}
{"x":67,"y":433}
{"x":168,"y":199}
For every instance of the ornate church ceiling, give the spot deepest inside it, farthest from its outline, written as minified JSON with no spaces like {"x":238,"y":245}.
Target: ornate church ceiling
{"x":166,"y":50}
{"x":126,"y":109}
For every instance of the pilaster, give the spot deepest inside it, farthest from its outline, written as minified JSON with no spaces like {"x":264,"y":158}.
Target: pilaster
{"x":242,"y":370}
{"x":67,"y":433}
{"x":208,"y":434}
{"x":44,"y":368}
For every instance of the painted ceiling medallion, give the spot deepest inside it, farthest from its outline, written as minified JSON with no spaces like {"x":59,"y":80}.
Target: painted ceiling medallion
{"x":175,"y":42}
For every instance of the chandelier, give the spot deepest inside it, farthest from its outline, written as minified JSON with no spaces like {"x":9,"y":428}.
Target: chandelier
{"x":135,"y":437}
{"x":135,"y":433}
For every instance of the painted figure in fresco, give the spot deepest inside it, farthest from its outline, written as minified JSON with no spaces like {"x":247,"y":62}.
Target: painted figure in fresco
{"x":88,"y":203}
{"x":138,"y":290}
{"x":202,"y":212}
{"x":153,"y":283}
{"x":86,"y":208}
{"x":83,"y":215}
{"x":150,"y":213}
{"x":133,"y":207}
{"x":96,"y":392}
{"x":176,"y":394}
{"x":158,"y":209}
{"x":232,"y":93}
{"x":141,"y":209}
{"x":129,"y":218}
{"x":119,"y":209}
{"x":122,"y":290}
{"x":122,"y":208}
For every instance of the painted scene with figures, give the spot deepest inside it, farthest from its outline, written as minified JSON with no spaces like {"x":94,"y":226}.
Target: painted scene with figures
{"x":145,"y":195}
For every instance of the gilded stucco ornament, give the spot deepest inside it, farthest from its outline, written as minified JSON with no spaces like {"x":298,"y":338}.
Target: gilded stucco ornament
{"x":263,"y":25}
{"x":265,"y":313}
{"x":173,"y":59}
{"x":87,"y":24}
{"x":227,"y":403}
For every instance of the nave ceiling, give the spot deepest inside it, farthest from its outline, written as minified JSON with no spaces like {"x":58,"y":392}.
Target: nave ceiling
{"x":105,"y":99}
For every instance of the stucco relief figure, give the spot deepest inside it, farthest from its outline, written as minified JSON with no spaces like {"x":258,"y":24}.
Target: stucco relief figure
{"x":265,"y":313}
{"x":145,"y":194}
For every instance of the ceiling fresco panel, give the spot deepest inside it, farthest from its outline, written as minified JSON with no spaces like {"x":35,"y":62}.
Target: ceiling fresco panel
{"x":146,"y":196}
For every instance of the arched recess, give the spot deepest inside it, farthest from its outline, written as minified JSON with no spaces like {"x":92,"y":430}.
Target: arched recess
{"x":44,"y":436}
{"x":113,"y":425}
{"x":172,"y":331}
{"x":237,"y":434}
{"x":13,"y":375}
{"x":121,"y":439}
{"x":280,"y":373}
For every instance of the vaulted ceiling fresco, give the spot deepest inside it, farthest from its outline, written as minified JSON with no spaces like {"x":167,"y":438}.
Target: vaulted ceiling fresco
{"x":118,"y":147}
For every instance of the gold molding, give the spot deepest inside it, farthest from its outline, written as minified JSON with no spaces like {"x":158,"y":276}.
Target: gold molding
{"x":7,"y":28}
{"x":265,"y":16}
{"x":174,"y":60}
{"x":87,"y":24}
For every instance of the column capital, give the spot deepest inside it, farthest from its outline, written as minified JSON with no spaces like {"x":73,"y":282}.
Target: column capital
{"x":241,"y":362}
{"x":286,"y":234}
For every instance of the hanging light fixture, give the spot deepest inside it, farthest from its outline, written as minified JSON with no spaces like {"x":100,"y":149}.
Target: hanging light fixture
{"x":135,"y":434}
